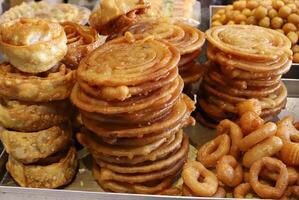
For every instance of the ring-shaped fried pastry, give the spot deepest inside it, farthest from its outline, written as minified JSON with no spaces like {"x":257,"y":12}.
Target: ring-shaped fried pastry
{"x":33,"y":146}
{"x":264,"y":190}
{"x":191,"y":174}
{"x":212,"y":151}
{"x":53,"y":175}
{"x":37,"y":48}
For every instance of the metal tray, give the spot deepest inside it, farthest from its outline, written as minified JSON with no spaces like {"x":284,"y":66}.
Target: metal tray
{"x":85,"y":187}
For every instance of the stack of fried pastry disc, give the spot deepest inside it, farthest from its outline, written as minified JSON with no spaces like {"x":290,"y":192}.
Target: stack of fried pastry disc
{"x":186,"y":38}
{"x":130,"y":98}
{"x":244,"y":62}
{"x":34,"y":110}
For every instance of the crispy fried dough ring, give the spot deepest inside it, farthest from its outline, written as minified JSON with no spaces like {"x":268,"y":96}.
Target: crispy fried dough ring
{"x":272,"y":176}
{"x":192,"y":171}
{"x":48,"y":86}
{"x":241,"y":190}
{"x":288,"y":133}
{"x":212,"y":151}
{"x":152,"y":59}
{"x":267,"y":191}
{"x":265,"y":131}
{"x":234,"y":131}
{"x":266,"y":148}
{"x":229,"y":171}
{"x":28,"y":117}
{"x":130,"y":188}
{"x":187,"y":58}
{"x":194,"y":71}
{"x":31,"y":147}
{"x":151,"y":167}
{"x":249,"y":122}
{"x":164,"y":150}
{"x":49,"y":176}
{"x":81,"y":40}
{"x":245,"y":41}
{"x":32,"y":54}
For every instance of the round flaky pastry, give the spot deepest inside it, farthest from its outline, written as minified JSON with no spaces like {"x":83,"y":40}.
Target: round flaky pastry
{"x":29,"y":147}
{"x":44,"y":176}
{"x":32,"y":45}
{"x":249,"y":42}
{"x":81,"y":40}
{"x":55,"y":84}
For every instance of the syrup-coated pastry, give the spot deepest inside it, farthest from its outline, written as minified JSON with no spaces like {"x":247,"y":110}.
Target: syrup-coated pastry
{"x":55,"y":84}
{"x":32,"y":45}
{"x":30,"y":147}
{"x":81,"y":40}
{"x":113,"y":15}
{"x":45,"y":175}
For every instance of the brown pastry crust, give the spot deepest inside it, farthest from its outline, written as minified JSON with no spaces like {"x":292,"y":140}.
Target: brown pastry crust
{"x":50,"y":176}
{"x":55,"y":84}
{"x":29,"y":147}
{"x":28,"y":117}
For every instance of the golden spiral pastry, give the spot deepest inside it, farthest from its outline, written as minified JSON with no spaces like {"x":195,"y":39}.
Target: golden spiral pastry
{"x":152,"y":60}
{"x":55,"y":84}
{"x":50,"y":175}
{"x":30,"y":147}
{"x":81,"y":40}
{"x":37,"y":48}
{"x":183,"y":36}
{"x":249,"y":42}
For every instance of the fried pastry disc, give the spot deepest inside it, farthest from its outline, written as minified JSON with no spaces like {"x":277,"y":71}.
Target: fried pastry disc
{"x":218,"y":78}
{"x":249,"y":42}
{"x":231,"y":62}
{"x":144,"y":188}
{"x":194,"y":71}
{"x":172,"y":145}
{"x":121,"y":93}
{"x":137,"y":103}
{"x":29,"y":147}
{"x":186,"y":58}
{"x":108,"y":175}
{"x":152,"y":59}
{"x":150,"y":167}
{"x":37,"y":48}
{"x":246,"y":93}
{"x":28,"y":117}
{"x":186,"y":38}
{"x":180,"y":112}
{"x":157,"y":111}
{"x":271,"y":101}
{"x":101,"y":147}
{"x":81,"y":40}
{"x":49,"y":176}
{"x":55,"y":84}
